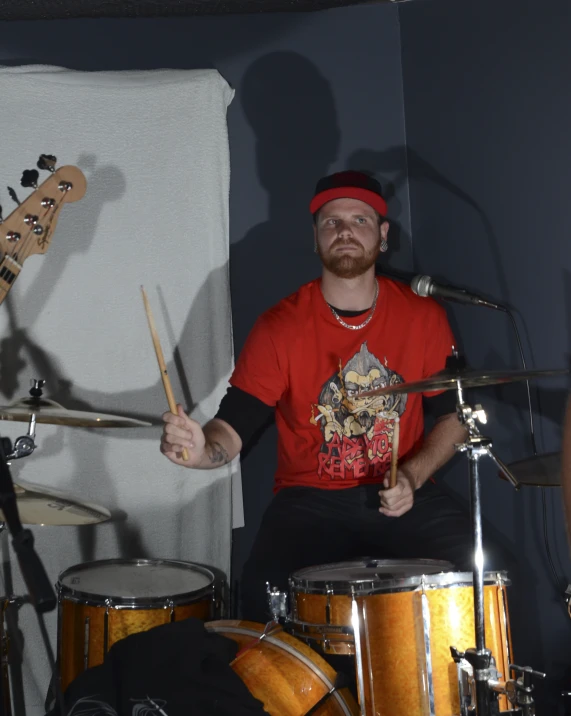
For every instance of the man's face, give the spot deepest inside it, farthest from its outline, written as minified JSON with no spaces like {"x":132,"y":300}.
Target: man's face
{"x":348,"y":237}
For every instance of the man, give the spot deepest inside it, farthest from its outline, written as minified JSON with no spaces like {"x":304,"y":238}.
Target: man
{"x":310,"y":359}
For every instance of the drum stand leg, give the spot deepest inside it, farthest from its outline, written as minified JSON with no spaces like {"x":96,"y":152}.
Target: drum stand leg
{"x":480,"y":659}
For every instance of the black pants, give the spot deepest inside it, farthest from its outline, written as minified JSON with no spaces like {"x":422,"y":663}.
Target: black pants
{"x":305,"y":526}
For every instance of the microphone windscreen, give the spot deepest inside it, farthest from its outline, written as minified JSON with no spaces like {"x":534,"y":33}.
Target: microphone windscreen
{"x":421,"y":285}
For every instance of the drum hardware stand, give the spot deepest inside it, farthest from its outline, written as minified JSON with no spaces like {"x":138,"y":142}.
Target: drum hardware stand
{"x":39,"y":587}
{"x":278,"y":606}
{"x":476,"y":666}
{"x":518,"y":690}
{"x":5,"y":697}
{"x":25,"y":444}
{"x":277,"y":602}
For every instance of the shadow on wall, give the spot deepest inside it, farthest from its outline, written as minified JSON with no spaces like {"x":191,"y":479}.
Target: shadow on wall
{"x":418,"y":169}
{"x":291,"y":109}
{"x":22,"y":358}
{"x":112,"y":44}
{"x":19,"y":354}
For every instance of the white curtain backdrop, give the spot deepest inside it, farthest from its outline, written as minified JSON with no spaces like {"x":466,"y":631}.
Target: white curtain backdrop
{"x":154,"y":149}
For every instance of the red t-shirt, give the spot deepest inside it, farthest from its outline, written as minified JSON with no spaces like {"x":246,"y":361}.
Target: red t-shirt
{"x":301,"y":360}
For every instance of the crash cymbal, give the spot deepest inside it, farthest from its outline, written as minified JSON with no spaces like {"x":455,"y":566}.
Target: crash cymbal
{"x":39,"y":505}
{"x":447,"y":380}
{"x":48,"y":411}
{"x":539,"y":470}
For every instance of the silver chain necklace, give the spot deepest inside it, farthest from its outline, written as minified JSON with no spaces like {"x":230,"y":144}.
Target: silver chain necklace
{"x":361,"y":325}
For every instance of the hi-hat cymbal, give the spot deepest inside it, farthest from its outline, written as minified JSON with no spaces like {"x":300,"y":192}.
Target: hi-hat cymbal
{"x":48,"y":411}
{"x":39,"y":505}
{"x":447,"y":380}
{"x":539,"y":470}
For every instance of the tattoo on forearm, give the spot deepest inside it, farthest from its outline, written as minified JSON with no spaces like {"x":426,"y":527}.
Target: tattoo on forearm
{"x":218,"y":454}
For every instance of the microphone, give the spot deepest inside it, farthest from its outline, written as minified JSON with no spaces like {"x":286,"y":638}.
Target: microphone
{"x":424,"y":286}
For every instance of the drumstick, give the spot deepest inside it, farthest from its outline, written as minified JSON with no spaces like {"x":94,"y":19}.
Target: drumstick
{"x":162,"y":365}
{"x":395,"y":453}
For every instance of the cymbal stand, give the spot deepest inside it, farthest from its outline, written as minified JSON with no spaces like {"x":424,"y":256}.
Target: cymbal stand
{"x":25,"y":444}
{"x":478,"y":663}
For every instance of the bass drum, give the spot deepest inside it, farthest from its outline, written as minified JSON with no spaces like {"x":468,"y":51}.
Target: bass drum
{"x":285,"y":674}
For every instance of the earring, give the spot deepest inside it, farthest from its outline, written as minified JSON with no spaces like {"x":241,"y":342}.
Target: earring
{"x":384,"y":245}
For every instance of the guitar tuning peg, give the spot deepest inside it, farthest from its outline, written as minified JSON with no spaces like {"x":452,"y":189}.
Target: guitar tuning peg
{"x":47,"y":162}
{"x":30,"y":178}
{"x":13,"y":195}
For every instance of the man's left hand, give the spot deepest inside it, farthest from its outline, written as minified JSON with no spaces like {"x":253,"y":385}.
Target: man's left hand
{"x":397,"y":500}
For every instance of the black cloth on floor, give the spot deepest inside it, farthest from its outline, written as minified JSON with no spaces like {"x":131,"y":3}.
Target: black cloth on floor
{"x":177,"y":669}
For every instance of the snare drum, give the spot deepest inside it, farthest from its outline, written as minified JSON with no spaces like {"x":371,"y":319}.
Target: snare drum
{"x":405,"y":626}
{"x":288,"y":677}
{"x":105,"y":601}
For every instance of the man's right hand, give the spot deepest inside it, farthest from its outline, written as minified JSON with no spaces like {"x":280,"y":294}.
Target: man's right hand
{"x":180,"y":432}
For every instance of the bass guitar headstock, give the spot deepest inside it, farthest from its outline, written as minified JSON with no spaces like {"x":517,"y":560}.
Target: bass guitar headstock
{"x":29,"y":228}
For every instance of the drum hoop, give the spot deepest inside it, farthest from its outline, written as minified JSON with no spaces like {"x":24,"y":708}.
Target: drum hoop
{"x":306,"y":630}
{"x":435,"y":566}
{"x":360,"y":587}
{"x":77,"y":596}
{"x":370,"y":560}
{"x":293,"y":652}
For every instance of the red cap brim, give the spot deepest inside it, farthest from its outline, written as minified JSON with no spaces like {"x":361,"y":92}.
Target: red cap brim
{"x":349,"y":192}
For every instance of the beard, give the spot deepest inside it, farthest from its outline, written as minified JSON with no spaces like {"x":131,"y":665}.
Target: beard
{"x":351,"y":265}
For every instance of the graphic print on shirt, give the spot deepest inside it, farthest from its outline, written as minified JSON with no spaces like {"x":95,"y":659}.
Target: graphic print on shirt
{"x":357,"y":431}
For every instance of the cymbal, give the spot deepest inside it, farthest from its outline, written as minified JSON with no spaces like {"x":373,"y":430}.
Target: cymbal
{"x":48,"y":411}
{"x":447,"y":380}
{"x":539,"y":470}
{"x":39,"y":505}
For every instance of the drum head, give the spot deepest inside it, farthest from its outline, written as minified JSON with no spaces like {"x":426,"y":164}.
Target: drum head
{"x":363,"y":575}
{"x":132,"y":581}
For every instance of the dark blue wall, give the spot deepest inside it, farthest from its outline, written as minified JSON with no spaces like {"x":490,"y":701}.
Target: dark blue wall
{"x":487,"y":119}
{"x":315,"y":92}
{"x":488,"y":122}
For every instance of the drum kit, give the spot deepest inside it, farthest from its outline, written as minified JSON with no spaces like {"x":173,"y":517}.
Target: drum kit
{"x":424,"y":639}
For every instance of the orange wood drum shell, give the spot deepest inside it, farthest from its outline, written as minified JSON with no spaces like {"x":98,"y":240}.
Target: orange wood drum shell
{"x":82,"y":646}
{"x":285,"y":674}
{"x":392,"y":637}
